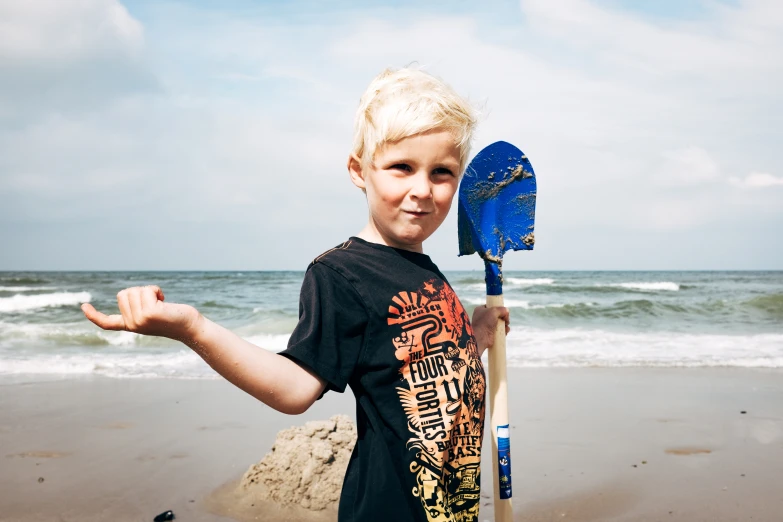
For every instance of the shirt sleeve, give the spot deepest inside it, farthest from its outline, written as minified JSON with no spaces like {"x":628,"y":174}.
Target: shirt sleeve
{"x":332,"y":319}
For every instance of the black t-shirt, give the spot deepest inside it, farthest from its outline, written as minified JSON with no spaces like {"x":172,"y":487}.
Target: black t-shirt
{"x":385,"y":322}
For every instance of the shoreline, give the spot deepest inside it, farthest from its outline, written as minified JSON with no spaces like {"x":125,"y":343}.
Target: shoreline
{"x":633,"y":444}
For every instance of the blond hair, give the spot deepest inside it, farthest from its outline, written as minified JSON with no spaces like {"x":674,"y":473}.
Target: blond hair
{"x":405,"y":102}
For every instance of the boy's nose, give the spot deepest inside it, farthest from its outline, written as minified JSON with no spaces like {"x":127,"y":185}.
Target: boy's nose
{"x":422,"y":186}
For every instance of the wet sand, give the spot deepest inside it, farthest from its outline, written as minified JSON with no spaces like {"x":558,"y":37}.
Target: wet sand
{"x":587,"y":445}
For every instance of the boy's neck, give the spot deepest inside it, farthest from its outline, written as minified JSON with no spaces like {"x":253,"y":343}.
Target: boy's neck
{"x":372,"y":235}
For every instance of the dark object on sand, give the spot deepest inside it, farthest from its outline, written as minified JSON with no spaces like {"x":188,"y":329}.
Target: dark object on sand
{"x":497,"y":210}
{"x":163,"y":517}
{"x":743,"y":412}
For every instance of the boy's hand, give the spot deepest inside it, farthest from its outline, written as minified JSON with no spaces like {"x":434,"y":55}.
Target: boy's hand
{"x":143,"y":311}
{"x":485,"y":322}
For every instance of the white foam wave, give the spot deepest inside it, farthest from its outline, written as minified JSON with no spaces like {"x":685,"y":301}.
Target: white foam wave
{"x":528,"y":347}
{"x":25,"y":288}
{"x":648,"y":287}
{"x":518,"y":303}
{"x":77,"y":333}
{"x":118,"y":338}
{"x":514,"y":281}
{"x":125,"y":363}
{"x":25,"y":303}
{"x":509,"y":303}
{"x":86,"y":334}
{"x":528,"y":282}
{"x":182,"y":364}
{"x":271,"y":342}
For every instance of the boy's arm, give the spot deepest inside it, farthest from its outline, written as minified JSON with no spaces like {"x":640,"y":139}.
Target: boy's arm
{"x":273,"y":379}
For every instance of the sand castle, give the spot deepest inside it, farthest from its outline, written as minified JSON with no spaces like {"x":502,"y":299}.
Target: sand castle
{"x":306,"y":465}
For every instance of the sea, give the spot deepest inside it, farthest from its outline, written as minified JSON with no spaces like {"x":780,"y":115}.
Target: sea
{"x":558,"y":319}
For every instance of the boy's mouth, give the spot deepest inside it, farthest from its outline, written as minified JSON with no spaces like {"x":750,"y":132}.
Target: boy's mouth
{"x":415,"y":214}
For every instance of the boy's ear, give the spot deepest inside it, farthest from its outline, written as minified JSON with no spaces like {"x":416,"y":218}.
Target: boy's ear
{"x":355,"y":171}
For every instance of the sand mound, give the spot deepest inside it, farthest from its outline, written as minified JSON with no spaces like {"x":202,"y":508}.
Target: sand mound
{"x":306,"y":466}
{"x":299,"y":480}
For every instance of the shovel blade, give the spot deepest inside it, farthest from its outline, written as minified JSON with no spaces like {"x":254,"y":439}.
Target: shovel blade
{"x":497,"y":203}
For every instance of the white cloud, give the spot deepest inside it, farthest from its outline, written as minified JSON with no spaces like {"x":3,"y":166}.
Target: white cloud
{"x":727,"y":41}
{"x":53,"y":30}
{"x":66,"y":57}
{"x":757,"y":180}
{"x":687,"y":166}
{"x":235,"y":117}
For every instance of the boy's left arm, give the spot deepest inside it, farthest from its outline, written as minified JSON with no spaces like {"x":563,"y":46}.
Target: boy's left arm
{"x":485,"y":322}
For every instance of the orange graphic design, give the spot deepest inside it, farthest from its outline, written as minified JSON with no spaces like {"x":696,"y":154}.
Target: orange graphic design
{"x":443,"y":398}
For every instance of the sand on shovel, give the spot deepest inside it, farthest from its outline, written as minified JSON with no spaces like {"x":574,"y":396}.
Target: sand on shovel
{"x":298,"y":480}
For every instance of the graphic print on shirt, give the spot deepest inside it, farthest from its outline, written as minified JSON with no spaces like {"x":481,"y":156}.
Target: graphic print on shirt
{"x":443,"y":397}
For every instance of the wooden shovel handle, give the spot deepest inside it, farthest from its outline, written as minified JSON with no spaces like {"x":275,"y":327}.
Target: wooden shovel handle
{"x":498,"y":408}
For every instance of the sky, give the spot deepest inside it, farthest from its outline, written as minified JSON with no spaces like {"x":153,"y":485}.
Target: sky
{"x":213,"y":135}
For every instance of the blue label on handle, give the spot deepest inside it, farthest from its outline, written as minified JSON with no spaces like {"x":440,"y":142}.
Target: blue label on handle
{"x":504,"y":462}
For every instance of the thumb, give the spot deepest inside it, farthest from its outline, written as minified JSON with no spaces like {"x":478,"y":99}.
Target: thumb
{"x":107,"y":322}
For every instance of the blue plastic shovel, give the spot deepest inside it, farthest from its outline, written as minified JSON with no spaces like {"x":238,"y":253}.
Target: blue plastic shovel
{"x":497,"y":207}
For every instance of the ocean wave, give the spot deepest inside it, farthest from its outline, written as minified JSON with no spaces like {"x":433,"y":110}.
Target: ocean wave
{"x":25,"y":288}
{"x":515,"y":282}
{"x":550,"y":286}
{"x":647,"y":287}
{"x":271,"y":342}
{"x":772,"y":304}
{"x":520,"y":281}
{"x":24,"y":280}
{"x":26,"y":303}
{"x":518,"y":303}
{"x":622,"y":309}
{"x":85,"y":334}
{"x":71,"y":334}
{"x":215,"y":304}
{"x":182,"y":364}
{"x":467,"y":280}
{"x":718,"y":310}
{"x":587,"y":309}
{"x":528,"y":347}
{"x":155,"y":361}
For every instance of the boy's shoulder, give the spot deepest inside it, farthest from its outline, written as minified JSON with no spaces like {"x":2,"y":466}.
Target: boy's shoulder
{"x":333,"y":254}
{"x":347,"y":259}
{"x":347,"y":262}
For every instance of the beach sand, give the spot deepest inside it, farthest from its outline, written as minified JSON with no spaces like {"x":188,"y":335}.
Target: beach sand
{"x":587,"y":445}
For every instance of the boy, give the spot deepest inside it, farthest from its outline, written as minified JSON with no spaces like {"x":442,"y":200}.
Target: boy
{"x":377,"y":315}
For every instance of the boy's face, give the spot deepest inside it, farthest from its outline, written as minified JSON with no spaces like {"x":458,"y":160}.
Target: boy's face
{"x":409,"y":186}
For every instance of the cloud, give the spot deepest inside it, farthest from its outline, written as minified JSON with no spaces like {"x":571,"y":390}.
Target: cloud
{"x":67,"y":57}
{"x":184,"y":114}
{"x":53,"y":31}
{"x":727,"y":39}
{"x":757,"y":180}
{"x":687,"y":166}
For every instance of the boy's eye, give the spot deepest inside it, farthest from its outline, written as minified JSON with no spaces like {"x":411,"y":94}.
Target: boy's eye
{"x":401,"y":166}
{"x":443,"y":170}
